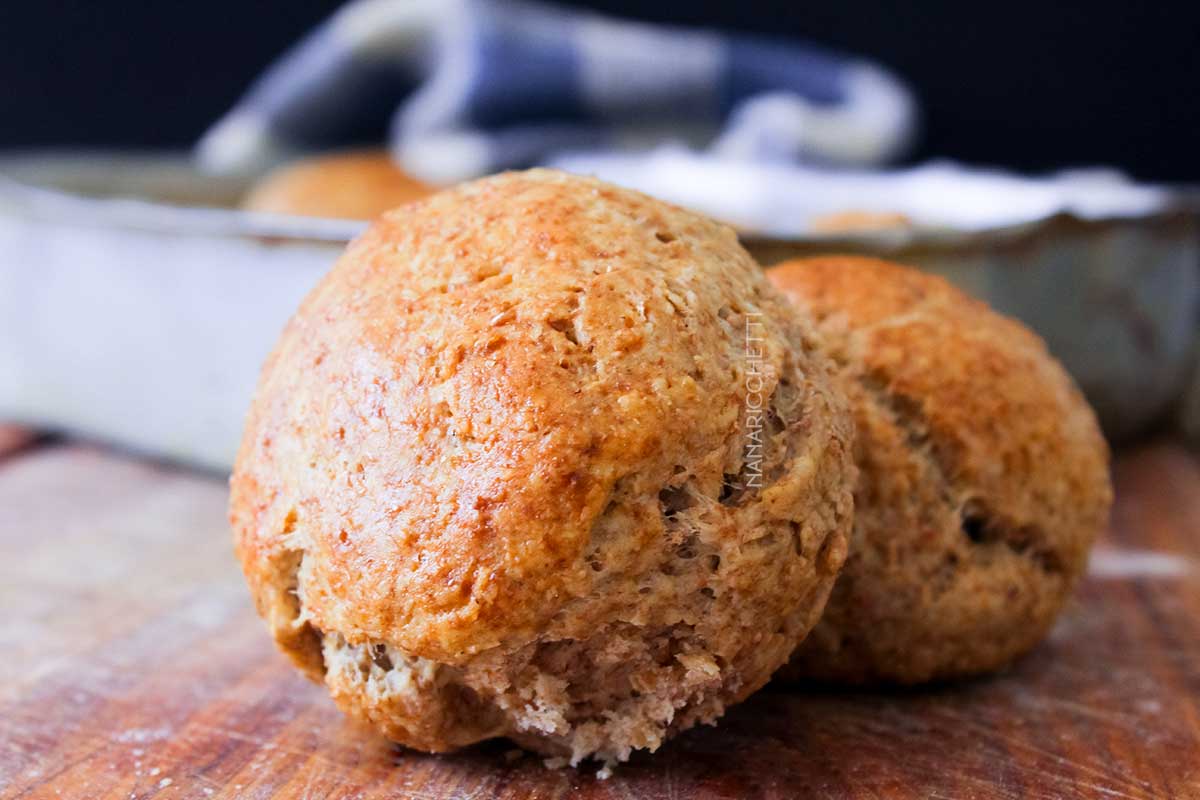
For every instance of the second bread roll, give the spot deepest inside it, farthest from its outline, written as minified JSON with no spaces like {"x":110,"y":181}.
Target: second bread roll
{"x":983,"y":477}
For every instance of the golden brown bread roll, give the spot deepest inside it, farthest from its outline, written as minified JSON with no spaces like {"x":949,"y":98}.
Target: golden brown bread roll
{"x":496,"y":479}
{"x":983,"y":477}
{"x":355,"y":185}
{"x":859,"y":221}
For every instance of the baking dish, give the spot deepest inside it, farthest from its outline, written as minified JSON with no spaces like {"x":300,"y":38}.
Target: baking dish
{"x":136,"y":304}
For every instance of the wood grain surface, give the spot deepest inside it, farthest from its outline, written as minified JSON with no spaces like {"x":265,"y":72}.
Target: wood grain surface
{"x":133,"y":666}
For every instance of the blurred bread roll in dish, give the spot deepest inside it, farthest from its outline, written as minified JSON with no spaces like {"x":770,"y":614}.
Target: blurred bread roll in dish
{"x":859,"y":222}
{"x":350,"y":185}
{"x":983,"y":477}
{"x":501,"y":479}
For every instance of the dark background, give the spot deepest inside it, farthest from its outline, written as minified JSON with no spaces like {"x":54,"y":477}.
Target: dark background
{"x":1030,"y":85}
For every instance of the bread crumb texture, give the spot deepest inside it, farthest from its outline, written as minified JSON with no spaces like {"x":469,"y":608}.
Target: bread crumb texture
{"x":496,"y":482}
{"x":983,"y":477}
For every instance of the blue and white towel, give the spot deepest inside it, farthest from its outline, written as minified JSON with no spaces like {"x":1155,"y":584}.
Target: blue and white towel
{"x":460,"y":88}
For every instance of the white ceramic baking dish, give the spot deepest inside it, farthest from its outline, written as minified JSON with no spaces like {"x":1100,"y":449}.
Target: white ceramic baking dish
{"x":136,"y":305}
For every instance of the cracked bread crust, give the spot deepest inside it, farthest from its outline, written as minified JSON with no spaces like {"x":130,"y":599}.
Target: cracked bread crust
{"x":983,"y":477}
{"x":494,"y":480}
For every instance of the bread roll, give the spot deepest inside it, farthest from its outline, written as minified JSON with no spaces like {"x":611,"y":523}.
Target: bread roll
{"x":983,"y":477}
{"x":497,"y":478}
{"x":355,"y":185}
{"x":859,"y":221}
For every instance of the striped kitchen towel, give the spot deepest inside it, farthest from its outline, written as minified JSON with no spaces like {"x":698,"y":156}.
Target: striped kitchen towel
{"x":460,"y":88}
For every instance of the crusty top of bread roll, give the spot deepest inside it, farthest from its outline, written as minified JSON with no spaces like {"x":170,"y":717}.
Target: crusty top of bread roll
{"x":993,"y":398}
{"x":354,"y":185}
{"x":466,"y":428}
{"x":983,"y":476}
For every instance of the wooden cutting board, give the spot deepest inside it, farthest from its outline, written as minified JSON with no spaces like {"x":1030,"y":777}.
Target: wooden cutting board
{"x":133,"y":666}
